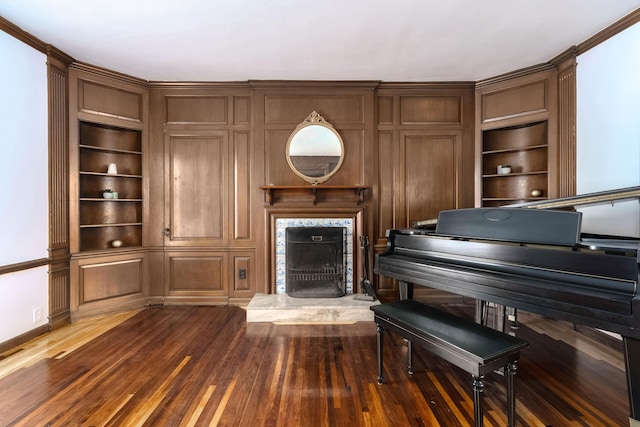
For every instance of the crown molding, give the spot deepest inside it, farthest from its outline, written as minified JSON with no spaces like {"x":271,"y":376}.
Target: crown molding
{"x":105,"y":72}
{"x":613,"y":29}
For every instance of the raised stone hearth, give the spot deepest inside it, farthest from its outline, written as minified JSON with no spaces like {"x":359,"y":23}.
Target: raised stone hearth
{"x":281,"y":308}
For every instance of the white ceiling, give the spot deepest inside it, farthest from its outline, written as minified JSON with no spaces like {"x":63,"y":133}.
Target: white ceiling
{"x":388,"y":40}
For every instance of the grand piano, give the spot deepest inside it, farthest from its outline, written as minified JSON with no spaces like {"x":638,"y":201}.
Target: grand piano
{"x":531,"y":257}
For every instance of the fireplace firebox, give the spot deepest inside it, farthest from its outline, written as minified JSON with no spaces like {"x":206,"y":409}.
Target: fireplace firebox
{"x":315,"y":264}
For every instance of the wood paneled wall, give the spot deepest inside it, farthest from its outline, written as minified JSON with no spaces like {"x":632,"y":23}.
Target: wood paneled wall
{"x":210,"y":147}
{"x":425,"y":157}
{"x":280,"y":107}
{"x":202,"y":192}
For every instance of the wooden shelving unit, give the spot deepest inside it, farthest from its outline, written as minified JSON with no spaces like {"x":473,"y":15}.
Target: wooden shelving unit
{"x":103,"y":221}
{"x":525,"y":149}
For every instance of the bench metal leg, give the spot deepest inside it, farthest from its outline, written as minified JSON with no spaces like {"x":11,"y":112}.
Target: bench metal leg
{"x":511,"y":393}
{"x":410,"y":357}
{"x":478,"y":387}
{"x":379,"y":332}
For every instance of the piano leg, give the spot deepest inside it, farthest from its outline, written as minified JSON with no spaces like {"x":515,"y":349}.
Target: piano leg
{"x":478,"y":388}
{"x":379,"y":333}
{"x":410,"y":369}
{"x":631,"y":358}
{"x":406,"y":290}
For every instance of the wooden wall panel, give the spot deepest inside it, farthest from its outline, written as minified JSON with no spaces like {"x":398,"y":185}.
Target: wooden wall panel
{"x":196,"y":189}
{"x":429,"y":160}
{"x":207,"y":167}
{"x":431,"y":110}
{"x":385,"y":110}
{"x":525,"y":99}
{"x":104,"y":100}
{"x":197,"y":109}
{"x":58,"y":160}
{"x":387,"y":159}
{"x":339,"y":110}
{"x":345,"y":111}
{"x":196,"y":272}
{"x":59,"y":241}
{"x":354,"y":169}
{"x":241,"y":110}
{"x":59,"y":294}
{"x":242,"y":177}
{"x":277,"y":171}
{"x":385,"y":208}
{"x":243,"y":287}
{"x":425,"y":159}
{"x":567,"y":103}
{"x":108,"y":280}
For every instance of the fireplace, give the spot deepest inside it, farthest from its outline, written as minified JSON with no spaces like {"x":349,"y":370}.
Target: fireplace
{"x":349,"y":222}
{"x":315,"y":262}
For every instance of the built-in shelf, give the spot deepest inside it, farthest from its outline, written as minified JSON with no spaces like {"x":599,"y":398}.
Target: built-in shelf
{"x":103,"y":221}
{"x":524,"y":148}
{"x":314,"y":191}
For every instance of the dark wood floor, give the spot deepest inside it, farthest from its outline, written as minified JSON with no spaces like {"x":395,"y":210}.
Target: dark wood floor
{"x":184,"y":366}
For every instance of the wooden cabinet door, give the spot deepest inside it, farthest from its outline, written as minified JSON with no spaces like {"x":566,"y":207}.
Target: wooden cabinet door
{"x":196,"y":195}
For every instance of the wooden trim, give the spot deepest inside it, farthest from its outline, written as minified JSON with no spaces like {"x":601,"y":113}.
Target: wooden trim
{"x":15,"y":342}
{"x":311,"y":84}
{"x":613,"y":29}
{"x":411,"y":86}
{"x":17,"y":32}
{"x":95,"y":70}
{"x":567,"y":95}
{"x":26,"y":265}
{"x":515,"y":74}
{"x":565,"y":57}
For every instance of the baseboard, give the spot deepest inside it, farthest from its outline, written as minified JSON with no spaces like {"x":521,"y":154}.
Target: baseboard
{"x":11,"y":346}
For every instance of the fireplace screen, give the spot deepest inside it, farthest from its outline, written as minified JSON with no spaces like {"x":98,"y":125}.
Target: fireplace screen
{"x":315,"y":262}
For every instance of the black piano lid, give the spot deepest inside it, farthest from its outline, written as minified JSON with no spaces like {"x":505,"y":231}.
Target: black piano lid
{"x":548,"y":227}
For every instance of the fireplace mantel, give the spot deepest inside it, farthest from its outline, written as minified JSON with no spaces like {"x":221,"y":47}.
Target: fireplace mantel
{"x":315,"y":191}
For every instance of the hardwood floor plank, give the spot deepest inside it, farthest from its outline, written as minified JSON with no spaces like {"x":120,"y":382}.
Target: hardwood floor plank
{"x":200,"y":366}
{"x":103,"y":421}
{"x":190,"y":422}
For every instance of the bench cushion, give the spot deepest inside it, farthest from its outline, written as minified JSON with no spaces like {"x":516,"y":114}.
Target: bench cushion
{"x":466,"y":337}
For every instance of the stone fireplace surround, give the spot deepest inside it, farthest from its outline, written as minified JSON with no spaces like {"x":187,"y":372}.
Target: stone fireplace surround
{"x":282,"y":224}
{"x":277,"y":306}
{"x":349,"y":218}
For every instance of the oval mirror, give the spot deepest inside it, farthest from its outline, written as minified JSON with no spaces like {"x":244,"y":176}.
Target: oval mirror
{"x":315,"y":150}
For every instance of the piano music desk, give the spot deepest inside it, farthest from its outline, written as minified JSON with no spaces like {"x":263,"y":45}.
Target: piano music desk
{"x":473,"y":347}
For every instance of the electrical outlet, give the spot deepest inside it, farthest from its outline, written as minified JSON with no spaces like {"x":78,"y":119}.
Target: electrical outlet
{"x":37,"y":315}
{"x":242,"y":274}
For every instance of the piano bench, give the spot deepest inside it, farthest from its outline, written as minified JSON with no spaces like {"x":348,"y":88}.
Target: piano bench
{"x":471,"y":346}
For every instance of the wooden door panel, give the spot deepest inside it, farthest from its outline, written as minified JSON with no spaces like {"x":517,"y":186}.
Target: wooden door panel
{"x":430,"y":175}
{"x":197,"y":188}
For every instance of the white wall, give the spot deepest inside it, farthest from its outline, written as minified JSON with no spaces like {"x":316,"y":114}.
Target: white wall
{"x":608,"y":130}
{"x":24,"y":198}
{"x":21,"y":293}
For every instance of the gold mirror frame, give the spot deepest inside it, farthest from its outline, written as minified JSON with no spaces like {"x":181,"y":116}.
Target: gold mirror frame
{"x":315,"y":150}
